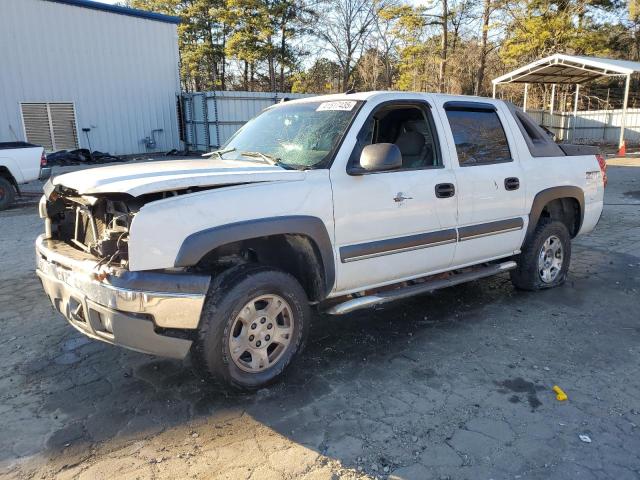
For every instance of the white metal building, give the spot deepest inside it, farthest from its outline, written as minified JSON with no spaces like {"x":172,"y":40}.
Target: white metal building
{"x":77,"y":73}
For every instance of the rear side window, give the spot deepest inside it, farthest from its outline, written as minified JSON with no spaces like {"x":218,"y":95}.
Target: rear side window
{"x":539,"y":142}
{"x":479,"y":136}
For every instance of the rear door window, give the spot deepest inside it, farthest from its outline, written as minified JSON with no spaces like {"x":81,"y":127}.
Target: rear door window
{"x":478,"y":135}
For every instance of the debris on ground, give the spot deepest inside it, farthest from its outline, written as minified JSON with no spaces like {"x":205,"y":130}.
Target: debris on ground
{"x":561,"y":396}
{"x":585,"y":438}
{"x":80,"y":156}
{"x":177,"y":153}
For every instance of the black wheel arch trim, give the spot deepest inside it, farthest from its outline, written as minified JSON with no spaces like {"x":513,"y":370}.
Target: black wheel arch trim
{"x":198,"y":244}
{"x":543,"y":197}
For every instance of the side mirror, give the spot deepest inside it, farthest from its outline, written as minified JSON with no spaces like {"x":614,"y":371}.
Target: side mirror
{"x":379,"y":157}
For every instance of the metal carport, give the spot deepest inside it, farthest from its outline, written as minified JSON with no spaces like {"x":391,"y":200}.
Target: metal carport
{"x":571,"y":69}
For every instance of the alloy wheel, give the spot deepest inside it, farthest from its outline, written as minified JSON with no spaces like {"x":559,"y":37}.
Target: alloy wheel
{"x":261,"y":333}
{"x":550,"y":259}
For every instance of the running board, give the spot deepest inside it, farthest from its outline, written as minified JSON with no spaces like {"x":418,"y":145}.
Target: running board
{"x":425,"y":287}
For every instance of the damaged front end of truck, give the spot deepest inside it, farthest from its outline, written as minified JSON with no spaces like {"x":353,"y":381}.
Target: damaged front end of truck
{"x":82,"y":261}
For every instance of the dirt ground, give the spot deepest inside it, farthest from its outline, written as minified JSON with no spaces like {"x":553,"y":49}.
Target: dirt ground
{"x":454,"y":385}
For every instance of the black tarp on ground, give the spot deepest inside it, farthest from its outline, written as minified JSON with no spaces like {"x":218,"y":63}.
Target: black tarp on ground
{"x":80,"y":156}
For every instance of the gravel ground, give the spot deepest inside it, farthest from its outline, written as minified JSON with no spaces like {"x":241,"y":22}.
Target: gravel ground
{"x":452,"y":385}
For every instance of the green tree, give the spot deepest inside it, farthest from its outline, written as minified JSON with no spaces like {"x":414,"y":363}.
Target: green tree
{"x":537,"y":28}
{"x":201,"y":40}
{"x":261,"y":35}
{"x":324,"y":76}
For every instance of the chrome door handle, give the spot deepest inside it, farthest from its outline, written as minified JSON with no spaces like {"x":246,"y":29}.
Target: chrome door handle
{"x":400,"y":197}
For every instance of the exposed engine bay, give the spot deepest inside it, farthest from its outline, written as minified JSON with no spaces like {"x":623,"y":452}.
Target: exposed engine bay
{"x":97,"y":225}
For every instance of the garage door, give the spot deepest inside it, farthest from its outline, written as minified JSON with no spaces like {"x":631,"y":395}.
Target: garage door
{"x":50,"y":124}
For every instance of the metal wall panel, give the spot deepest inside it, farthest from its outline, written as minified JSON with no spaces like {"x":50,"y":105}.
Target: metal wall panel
{"x":592,"y":126}
{"x":211,"y":118}
{"x":121,"y":72}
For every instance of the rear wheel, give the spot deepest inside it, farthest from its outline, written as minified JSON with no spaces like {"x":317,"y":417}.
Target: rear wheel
{"x":545,"y":257}
{"x":7,"y":193}
{"x":254,"y":322}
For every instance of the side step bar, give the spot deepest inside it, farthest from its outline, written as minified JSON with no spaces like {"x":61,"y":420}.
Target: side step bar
{"x":427,"y":286}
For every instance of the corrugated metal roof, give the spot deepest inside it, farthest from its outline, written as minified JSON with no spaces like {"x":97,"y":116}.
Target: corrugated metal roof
{"x":132,"y":12}
{"x":568,"y":69}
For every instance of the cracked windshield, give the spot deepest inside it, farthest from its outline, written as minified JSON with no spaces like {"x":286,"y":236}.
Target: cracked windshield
{"x":298,"y":135}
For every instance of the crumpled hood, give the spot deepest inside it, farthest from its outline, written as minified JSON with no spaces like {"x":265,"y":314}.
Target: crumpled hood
{"x":149,"y":177}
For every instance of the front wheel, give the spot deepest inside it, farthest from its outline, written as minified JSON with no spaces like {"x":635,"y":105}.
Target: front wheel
{"x":545,"y":257}
{"x":254,"y":322}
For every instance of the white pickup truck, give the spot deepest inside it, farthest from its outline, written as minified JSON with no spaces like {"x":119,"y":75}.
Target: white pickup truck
{"x":336,"y":202}
{"x":20,"y":162}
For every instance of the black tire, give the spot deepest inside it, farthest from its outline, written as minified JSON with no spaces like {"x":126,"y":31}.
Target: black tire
{"x":527,"y":276}
{"x":7,"y":193}
{"x":228,"y":294}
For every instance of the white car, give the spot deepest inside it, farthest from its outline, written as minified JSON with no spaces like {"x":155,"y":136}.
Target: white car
{"x":336,"y":202}
{"x":20,"y":163}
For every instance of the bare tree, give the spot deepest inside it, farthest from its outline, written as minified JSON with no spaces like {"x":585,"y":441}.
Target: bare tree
{"x":487,"y":9}
{"x":344,"y":26}
{"x":369,"y":68}
{"x":386,"y":39}
{"x":444,"y":45}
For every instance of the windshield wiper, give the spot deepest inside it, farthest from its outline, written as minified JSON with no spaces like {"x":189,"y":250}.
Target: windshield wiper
{"x":219,"y":153}
{"x":270,"y":159}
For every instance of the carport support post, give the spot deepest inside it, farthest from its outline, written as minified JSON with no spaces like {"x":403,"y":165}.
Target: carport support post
{"x":575,"y":113}
{"x":494,"y":90}
{"x":553,"y":98}
{"x":526,"y":95}
{"x":624,"y":110}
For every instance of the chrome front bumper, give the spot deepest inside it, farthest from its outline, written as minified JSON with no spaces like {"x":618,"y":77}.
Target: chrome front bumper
{"x":125,"y":308}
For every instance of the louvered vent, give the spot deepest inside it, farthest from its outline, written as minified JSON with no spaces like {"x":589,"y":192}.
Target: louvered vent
{"x":36,"y":124}
{"x":52,"y":125}
{"x":63,"y":125}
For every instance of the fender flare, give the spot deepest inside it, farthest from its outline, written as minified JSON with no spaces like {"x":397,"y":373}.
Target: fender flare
{"x":543,"y":197}
{"x":198,"y":244}
{"x":9,"y":170}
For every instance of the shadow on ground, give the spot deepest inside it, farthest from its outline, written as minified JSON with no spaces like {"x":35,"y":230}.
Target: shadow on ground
{"x":442,"y":384}
{"x":455,"y":384}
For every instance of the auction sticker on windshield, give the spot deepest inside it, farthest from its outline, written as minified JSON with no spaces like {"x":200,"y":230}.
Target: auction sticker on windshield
{"x":344,"y":105}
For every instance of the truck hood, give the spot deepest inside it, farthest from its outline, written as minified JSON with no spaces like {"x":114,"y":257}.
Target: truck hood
{"x":149,"y":177}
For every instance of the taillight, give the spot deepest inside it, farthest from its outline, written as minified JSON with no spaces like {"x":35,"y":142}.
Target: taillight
{"x":603,"y":168}
{"x":43,"y":160}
